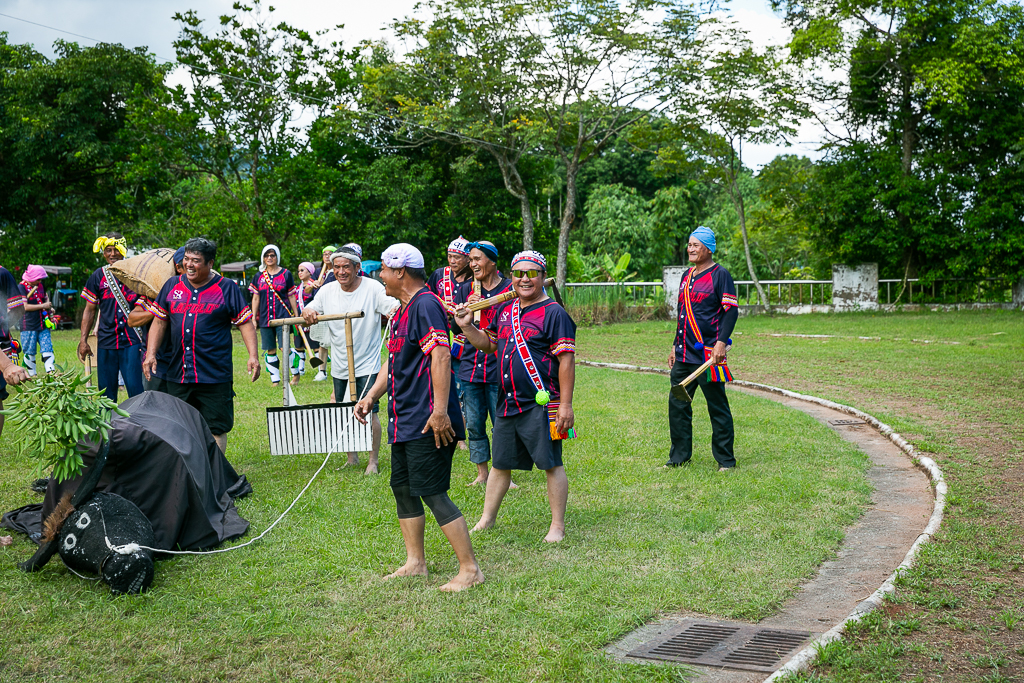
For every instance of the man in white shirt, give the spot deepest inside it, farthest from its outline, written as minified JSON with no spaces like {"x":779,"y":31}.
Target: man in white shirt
{"x":347,"y":293}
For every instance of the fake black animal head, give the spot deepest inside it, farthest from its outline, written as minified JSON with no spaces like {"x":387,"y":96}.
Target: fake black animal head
{"x":90,"y":534}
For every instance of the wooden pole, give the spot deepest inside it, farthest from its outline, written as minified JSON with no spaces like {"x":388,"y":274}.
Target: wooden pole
{"x":477,"y":290}
{"x":350,"y":354}
{"x":321,"y":318}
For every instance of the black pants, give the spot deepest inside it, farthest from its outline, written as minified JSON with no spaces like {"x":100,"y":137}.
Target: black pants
{"x":680,"y":418}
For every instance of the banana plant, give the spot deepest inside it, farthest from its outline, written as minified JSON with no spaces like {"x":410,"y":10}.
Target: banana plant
{"x":54,"y":418}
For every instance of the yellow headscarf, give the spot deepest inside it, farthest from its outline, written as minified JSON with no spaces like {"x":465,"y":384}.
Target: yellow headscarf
{"x":102,"y":242}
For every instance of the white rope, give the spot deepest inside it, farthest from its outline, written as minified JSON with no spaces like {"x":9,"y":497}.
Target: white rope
{"x":129,"y":548}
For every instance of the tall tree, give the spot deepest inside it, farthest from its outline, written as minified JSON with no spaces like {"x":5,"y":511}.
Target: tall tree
{"x":918,"y":80}
{"x":61,"y":136}
{"x":254,"y":84}
{"x":741,"y":95}
{"x":594,"y":82}
{"x":466,"y":81}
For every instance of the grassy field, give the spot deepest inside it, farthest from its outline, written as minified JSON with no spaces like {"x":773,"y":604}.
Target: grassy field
{"x":953,"y":383}
{"x":308,"y":602}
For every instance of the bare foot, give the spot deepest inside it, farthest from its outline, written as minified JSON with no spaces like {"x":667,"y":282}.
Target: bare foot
{"x":294,"y":381}
{"x":463,"y":580}
{"x":512,"y":485}
{"x":371,"y":468}
{"x":276,"y":385}
{"x":352,"y":462}
{"x":482,"y":525}
{"x":410,"y":568}
{"x":555,"y":534}
{"x":477,"y":482}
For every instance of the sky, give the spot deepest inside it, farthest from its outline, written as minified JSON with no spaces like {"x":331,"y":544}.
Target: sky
{"x":134,"y":23}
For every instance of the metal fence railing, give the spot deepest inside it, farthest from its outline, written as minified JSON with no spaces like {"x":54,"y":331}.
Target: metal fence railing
{"x":785,"y":292}
{"x":990,"y":290}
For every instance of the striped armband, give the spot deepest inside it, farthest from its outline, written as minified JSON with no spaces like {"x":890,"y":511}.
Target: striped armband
{"x":493,"y":336}
{"x":253,"y":288}
{"x":729,"y":300}
{"x":432,"y":340}
{"x":563,"y":345}
{"x":157,"y":310}
{"x":244,"y":316}
{"x":16,"y":302}
{"x":89,"y":296}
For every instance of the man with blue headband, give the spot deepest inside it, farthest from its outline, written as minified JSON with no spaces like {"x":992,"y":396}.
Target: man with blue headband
{"x":707,"y":315}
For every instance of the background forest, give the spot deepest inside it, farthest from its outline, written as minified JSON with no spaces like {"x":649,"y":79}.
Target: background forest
{"x":586,"y":130}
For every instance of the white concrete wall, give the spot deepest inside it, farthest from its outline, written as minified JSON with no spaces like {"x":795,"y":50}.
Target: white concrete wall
{"x":671,"y":278}
{"x":855,"y":289}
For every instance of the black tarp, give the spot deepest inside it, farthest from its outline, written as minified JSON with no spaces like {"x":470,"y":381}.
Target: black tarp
{"x":164,"y":459}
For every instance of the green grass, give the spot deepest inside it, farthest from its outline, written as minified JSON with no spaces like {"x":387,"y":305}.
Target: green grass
{"x":308,"y":602}
{"x":958,"y":398}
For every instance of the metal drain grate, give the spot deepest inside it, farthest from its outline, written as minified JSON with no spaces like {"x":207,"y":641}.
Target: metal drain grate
{"x":846,"y":422}
{"x":724,"y":645}
{"x":766,"y":648}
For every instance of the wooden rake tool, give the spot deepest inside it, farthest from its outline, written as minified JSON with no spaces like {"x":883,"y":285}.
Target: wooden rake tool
{"x":679,"y":390}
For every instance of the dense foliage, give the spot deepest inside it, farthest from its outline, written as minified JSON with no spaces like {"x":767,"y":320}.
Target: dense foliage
{"x":493,"y":125}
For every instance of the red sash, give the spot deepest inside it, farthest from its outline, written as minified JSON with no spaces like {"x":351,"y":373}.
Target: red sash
{"x":716,"y":373}
{"x":531,"y":369}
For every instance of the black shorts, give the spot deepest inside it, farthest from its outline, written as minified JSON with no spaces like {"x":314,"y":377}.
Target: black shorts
{"x":215,"y":402}
{"x":271,"y":337}
{"x":524,"y":440}
{"x":420,"y":465}
{"x":3,"y":388}
{"x":341,"y":390}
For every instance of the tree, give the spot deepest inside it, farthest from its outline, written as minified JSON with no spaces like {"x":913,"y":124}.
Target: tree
{"x":253,"y":83}
{"x":467,"y":82}
{"x":593,"y":77}
{"x":925,"y":113}
{"x":61,"y":137}
{"x":740,"y":95}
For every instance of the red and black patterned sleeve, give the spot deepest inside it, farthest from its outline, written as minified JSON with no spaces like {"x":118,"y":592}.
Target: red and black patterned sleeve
{"x":428,"y":322}
{"x":91,"y":291}
{"x":560,"y":329}
{"x":236,"y":303}
{"x":161,"y":305}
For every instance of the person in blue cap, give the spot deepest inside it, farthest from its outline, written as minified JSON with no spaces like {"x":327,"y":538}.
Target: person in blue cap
{"x":707,"y":316}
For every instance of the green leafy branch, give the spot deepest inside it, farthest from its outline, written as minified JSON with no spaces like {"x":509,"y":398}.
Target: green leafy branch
{"x":54,"y":416}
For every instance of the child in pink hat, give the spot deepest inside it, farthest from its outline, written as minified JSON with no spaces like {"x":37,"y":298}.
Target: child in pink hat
{"x":35,"y":326}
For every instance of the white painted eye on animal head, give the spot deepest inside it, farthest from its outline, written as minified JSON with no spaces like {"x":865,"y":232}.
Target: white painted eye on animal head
{"x":83,"y":521}
{"x":70,"y":541}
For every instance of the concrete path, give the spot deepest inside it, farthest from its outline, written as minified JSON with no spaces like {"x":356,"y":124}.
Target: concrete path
{"x":874,"y":546}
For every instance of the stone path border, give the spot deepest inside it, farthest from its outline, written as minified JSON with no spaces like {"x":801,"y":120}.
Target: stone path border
{"x":802,"y":659}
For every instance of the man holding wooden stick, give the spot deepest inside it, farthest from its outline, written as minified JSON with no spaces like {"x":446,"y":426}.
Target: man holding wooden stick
{"x":707,"y":315}
{"x":478,"y":370}
{"x":349,"y":292}
{"x":535,"y":340}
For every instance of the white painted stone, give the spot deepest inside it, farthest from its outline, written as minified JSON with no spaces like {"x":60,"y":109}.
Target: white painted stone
{"x":671,"y":278}
{"x":855,"y":289}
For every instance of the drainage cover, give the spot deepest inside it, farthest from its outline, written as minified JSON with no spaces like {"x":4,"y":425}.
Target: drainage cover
{"x":723,"y":644}
{"x":846,"y":422}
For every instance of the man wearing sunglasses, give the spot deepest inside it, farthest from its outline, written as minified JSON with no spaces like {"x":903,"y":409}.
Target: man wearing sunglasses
{"x":478,"y":370}
{"x":535,"y":340}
